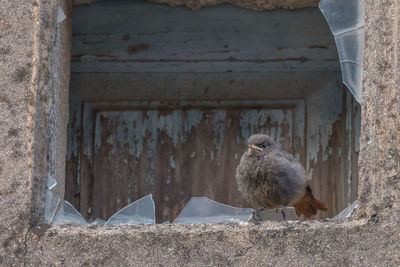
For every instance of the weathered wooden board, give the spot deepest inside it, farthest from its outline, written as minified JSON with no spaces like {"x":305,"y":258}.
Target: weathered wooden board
{"x":201,"y":86}
{"x":131,"y":36}
{"x":117,"y":140}
{"x":332,"y":158}
{"x":72,"y":174}
{"x":331,"y":164}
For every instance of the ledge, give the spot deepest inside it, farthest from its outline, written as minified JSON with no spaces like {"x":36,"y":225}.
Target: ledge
{"x":348,"y":242}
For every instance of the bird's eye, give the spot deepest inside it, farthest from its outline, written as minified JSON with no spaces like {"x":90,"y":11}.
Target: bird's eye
{"x":264,"y":145}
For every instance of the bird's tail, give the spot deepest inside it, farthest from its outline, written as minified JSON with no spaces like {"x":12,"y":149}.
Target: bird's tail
{"x":308,"y":205}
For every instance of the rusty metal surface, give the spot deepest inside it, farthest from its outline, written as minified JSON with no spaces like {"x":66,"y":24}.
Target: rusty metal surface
{"x":72,"y":174}
{"x":123,"y":140}
{"x":333,"y":166}
{"x":176,"y":154}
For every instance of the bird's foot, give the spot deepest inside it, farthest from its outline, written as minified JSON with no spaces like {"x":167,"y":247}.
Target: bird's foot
{"x":256,"y":217}
{"x":282,"y":210}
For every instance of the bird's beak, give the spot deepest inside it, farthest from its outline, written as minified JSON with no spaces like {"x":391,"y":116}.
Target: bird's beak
{"x":255,"y":147}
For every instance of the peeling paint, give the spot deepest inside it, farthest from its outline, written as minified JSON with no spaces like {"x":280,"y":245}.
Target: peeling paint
{"x":75,"y":122}
{"x":357,"y":125}
{"x":203,"y":154}
{"x":273,"y":121}
{"x":132,"y":127}
{"x":349,"y":129}
{"x":193,"y":118}
{"x":218,"y":124}
{"x":238,"y":140}
{"x":172,"y":162}
{"x":87,"y":119}
{"x":325,"y":107}
{"x":148,"y":142}
{"x":139,"y":131}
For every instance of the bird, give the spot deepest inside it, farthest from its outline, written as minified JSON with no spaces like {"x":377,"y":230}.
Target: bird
{"x":269,"y":177}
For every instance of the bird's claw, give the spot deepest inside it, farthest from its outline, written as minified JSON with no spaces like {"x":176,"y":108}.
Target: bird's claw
{"x":256,"y":217}
{"x":282,"y":210}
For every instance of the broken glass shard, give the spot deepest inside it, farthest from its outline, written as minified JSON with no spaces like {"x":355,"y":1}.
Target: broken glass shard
{"x":60,"y":15}
{"x":343,"y":15}
{"x":51,"y":182}
{"x":141,"y":211}
{"x":68,"y":215}
{"x":50,"y":206}
{"x":347,"y":212}
{"x":352,"y":78}
{"x":204,"y":210}
{"x":346,"y":20}
{"x":346,"y":44}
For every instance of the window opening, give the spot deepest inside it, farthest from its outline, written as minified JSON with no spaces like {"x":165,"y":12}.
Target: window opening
{"x":150,"y":98}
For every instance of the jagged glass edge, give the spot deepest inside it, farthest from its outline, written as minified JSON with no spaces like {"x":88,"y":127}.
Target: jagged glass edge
{"x":50,"y":211}
{"x":350,"y":209}
{"x":76,"y":211}
{"x":202,"y":222}
{"x":60,"y":14}
{"x":51,"y":182}
{"x":107,"y":223}
{"x":356,"y":92}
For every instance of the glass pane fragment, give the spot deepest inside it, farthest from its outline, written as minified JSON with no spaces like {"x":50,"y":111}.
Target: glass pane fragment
{"x":346,"y":20}
{"x":343,"y":15}
{"x":50,"y":206}
{"x":67,"y":214}
{"x":141,"y":211}
{"x":204,"y":210}
{"x":51,"y":182}
{"x":60,"y":15}
{"x":347,"y":212}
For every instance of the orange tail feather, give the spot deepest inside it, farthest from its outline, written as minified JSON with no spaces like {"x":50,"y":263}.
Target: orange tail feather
{"x":308,"y":205}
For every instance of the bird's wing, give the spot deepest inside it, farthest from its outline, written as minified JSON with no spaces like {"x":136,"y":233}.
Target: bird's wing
{"x":284,"y":179}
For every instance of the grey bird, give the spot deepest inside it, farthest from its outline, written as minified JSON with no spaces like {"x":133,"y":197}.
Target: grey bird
{"x":269,"y":177}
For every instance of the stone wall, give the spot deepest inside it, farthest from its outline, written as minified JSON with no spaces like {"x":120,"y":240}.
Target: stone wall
{"x":379,"y":188}
{"x":27,"y":42}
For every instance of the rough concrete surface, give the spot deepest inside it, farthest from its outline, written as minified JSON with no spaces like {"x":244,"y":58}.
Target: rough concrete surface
{"x":351,"y":243}
{"x":371,"y":238}
{"x":379,"y":161}
{"x":16,"y":43}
